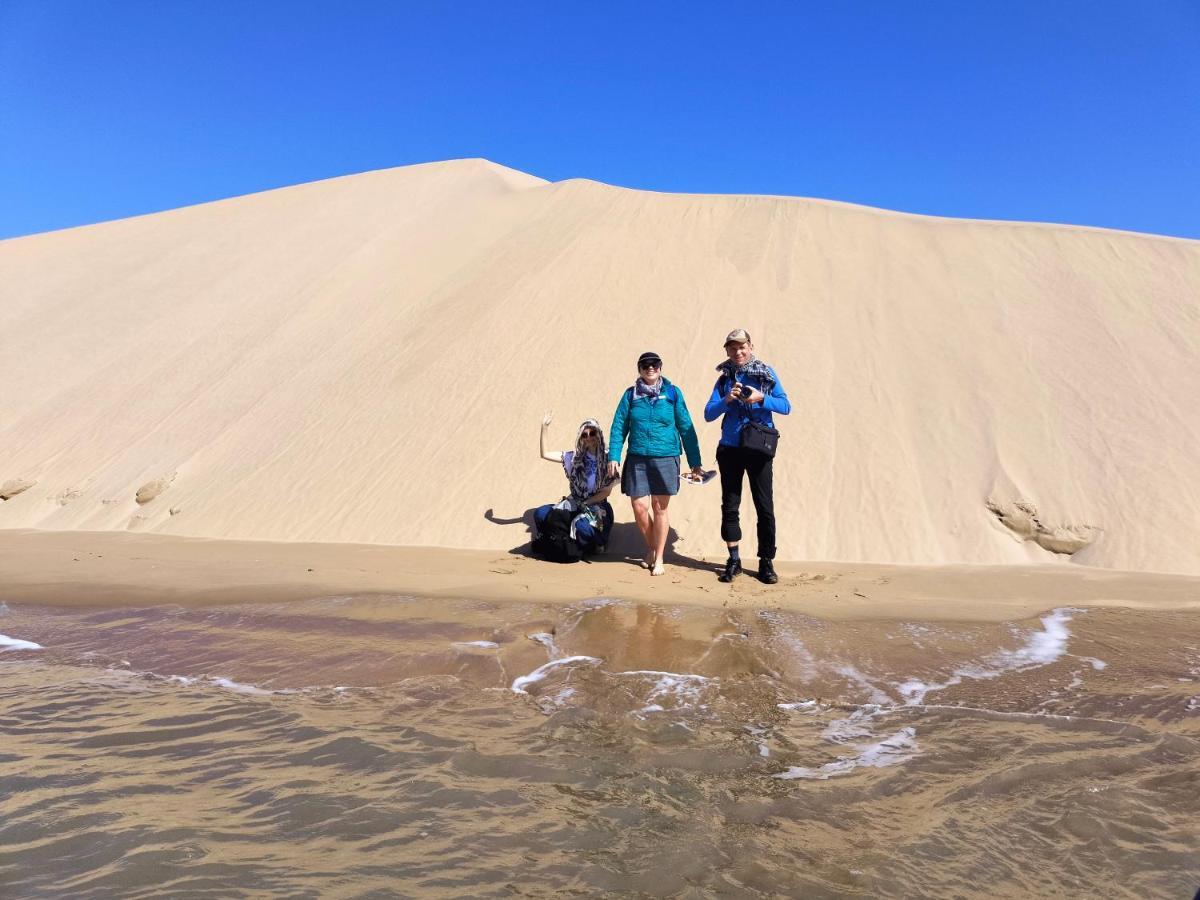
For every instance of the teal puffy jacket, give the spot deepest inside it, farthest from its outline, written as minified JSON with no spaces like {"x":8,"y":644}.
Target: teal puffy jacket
{"x":654,"y":427}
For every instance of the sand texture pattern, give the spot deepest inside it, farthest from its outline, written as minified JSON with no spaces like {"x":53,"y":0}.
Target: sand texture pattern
{"x":367,"y":359}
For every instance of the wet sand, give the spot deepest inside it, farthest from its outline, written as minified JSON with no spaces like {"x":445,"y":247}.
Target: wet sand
{"x":395,"y":746}
{"x":190,"y":717}
{"x":115,"y":569}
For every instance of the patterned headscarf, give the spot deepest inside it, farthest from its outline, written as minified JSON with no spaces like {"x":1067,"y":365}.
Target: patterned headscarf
{"x":578,"y":475}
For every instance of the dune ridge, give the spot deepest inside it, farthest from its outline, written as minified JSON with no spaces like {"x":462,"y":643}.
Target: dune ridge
{"x":367,"y":359}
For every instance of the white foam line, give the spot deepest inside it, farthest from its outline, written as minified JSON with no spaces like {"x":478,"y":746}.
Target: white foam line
{"x":799,"y":705}
{"x":683,"y":675}
{"x":216,"y":681}
{"x":8,"y":643}
{"x":892,"y":750}
{"x":519,"y":684}
{"x":1040,"y":649}
{"x":1016,"y":716}
{"x":852,"y":674}
{"x":547,"y":641}
{"x":600,"y":602}
{"x":484,"y":645}
{"x":239,"y":688}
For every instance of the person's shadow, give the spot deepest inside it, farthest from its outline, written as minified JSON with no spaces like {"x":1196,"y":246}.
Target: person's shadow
{"x":625,"y":544}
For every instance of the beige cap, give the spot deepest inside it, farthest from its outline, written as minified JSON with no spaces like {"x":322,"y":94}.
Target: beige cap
{"x":737,"y":336}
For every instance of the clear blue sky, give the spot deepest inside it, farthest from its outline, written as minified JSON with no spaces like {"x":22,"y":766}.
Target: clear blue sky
{"x":1078,"y":111}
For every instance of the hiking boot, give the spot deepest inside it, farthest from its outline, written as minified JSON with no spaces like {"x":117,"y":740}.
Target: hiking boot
{"x":733,"y":568}
{"x":766,"y":572}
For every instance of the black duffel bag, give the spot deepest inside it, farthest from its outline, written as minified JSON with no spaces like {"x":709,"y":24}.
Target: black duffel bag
{"x":555,"y":543}
{"x":760,"y":438}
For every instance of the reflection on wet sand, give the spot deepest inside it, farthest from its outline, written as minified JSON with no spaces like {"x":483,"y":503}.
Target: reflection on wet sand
{"x":399,"y":746}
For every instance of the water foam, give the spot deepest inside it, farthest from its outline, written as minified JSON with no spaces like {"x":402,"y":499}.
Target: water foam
{"x":600,"y":602}
{"x":683,"y":690}
{"x":522,"y":682}
{"x":8,"y":643}
{"x":1040,"y":649}
{"x":227,"y":684}
{"x":892,"y":750}
{"x":547,"y":641}
{"x":482,"y":645}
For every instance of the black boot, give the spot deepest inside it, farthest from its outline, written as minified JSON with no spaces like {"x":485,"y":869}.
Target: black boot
{"x":766,"y":572}
{"x":733,"y":568}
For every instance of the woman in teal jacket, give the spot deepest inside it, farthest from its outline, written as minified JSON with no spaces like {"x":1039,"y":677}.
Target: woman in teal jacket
{"x":654,"y":416}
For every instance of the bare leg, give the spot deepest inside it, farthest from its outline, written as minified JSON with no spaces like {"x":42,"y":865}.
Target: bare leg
{"x":661,"y":526}
{"x":645,"y":524}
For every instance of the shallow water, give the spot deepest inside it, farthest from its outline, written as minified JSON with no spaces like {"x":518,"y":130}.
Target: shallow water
{"x":391,"y":747}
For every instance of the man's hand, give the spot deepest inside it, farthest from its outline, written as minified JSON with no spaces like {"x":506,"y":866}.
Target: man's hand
{"x":698,"y":472}
{"x":756,"y":396}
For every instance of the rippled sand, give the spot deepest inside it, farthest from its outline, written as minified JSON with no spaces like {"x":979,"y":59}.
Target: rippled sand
{"x":390,"y":746}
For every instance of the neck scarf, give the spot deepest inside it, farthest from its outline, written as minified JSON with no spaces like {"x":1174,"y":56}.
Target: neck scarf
{"x":754,"y":368}
{"x":651,"y":391}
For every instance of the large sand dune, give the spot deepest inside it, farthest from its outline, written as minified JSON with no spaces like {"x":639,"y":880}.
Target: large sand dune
{"x":367,"y":359}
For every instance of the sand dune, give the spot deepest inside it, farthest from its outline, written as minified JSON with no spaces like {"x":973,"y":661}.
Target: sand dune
{"x":367,"y":359}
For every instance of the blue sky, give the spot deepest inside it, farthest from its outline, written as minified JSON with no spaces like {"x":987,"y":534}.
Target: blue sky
{"x":1061,"y":111}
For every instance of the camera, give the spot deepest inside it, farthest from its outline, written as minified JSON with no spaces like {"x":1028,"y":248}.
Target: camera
{"x":743,"y":391}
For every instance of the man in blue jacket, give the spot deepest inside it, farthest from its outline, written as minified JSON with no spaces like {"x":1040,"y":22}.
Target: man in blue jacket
{"x":747,"y":390}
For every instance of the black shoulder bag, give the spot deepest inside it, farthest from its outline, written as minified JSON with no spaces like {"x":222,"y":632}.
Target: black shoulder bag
{"x":758,"y":437}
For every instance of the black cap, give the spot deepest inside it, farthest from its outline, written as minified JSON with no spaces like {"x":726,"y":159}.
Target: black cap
{"x":649,"y":357}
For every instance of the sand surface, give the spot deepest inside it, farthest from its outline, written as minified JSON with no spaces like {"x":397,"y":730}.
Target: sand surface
{"x":367,"y":360}
{"x":113,"y":569}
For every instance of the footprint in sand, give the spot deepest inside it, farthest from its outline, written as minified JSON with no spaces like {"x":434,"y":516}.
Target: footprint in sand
{"x":152,"y":489}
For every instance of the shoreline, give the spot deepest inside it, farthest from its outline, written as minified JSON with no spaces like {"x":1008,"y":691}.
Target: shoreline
{"x":116,"y":569}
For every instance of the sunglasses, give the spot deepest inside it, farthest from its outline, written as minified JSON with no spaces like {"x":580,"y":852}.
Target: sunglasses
{"x":589,"y":432}
{"x":650,"y":365}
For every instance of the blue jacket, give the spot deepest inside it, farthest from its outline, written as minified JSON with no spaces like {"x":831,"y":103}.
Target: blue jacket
{"x":654,"y":428}
{"x":736,"y":413}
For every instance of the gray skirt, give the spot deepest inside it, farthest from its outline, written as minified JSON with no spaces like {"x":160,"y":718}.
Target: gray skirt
{"x":644,"y":475}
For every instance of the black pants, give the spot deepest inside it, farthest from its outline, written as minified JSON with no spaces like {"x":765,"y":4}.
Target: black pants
{"x":733,"y":463}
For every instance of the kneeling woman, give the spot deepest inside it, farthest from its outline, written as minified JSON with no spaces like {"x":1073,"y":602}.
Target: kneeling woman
{"x":589,"y":482}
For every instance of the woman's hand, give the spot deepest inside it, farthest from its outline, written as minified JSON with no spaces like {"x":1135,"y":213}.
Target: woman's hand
{"x":547,"y":419}
{"x":612,"y":469}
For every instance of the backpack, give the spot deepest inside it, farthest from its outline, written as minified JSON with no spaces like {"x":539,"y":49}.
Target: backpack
{"x":555,"y":542}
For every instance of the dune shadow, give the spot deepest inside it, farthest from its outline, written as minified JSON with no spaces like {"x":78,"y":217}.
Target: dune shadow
{"x":625,"y":544}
